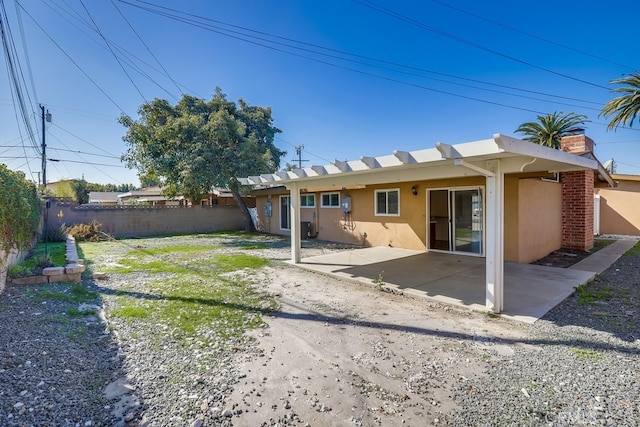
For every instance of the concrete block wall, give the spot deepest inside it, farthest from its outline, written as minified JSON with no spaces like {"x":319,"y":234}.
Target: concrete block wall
{"x":129,"y":221}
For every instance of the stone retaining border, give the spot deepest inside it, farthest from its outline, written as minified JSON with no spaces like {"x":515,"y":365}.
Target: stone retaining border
{"x":69,"y":273}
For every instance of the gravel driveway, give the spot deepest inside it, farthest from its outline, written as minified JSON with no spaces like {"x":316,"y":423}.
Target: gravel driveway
{"x":334,"y":353}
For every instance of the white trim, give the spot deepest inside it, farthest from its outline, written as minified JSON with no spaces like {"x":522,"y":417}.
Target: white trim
{"x":281,"y":211}
{"x":329,"y":193}
{"x":483,"y":196}
{"x":308,"y":195}
{"x":375,"y":201}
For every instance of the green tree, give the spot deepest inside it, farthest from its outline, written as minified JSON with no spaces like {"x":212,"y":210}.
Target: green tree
{"x":196,"y":145}
{"x":550,"y":129}
{"x":625,"y":108}
{"x":81,"y":189}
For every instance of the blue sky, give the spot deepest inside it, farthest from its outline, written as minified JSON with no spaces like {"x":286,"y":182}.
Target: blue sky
{"x":344,"y":78}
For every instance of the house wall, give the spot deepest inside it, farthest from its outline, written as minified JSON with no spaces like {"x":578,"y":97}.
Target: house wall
{"x":362,"y":226}
{"x":619,"y":212}
{"x":533,"y":216}
{"x":131,"y":221}
{"x":540,"y":216}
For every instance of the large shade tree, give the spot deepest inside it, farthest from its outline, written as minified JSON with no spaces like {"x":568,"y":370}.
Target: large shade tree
{"x":550,"y":129}
{"x":625,"y":108}
{"x":197,"y":145}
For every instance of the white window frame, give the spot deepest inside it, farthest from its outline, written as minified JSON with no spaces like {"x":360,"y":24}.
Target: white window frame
{"x":375,"y":201}
{"x":329,"y":206}
{"x":306,"y":195}
{"x":286,"y":211}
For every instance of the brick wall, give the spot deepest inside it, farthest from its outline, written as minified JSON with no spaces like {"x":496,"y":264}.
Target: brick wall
{"x":577,"y":197}
{"x":577,"y":210}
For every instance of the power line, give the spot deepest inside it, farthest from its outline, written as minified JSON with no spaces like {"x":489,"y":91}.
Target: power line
{"x":84,"y":140}
{"x":97,"y":29}
{"x":70,"y":58}
{"x":166,"y":73}
{"x":518,"y":30}
{"x":370,"y":4}
{"x":241,"y":36}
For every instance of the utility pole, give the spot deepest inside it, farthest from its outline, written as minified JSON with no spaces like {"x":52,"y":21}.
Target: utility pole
{"x":299,"y":149}
{"x":46,"y":117}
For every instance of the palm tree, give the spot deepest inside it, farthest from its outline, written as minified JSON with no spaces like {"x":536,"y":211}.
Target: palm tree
{"x":550,"y":129}
{"x":624,"y":108}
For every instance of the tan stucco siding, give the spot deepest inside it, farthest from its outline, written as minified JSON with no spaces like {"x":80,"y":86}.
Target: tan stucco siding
{"x":540,"y":219}
{"x":511,"y":222}
{"x":619,"y":208}
{"x":362,"y":226}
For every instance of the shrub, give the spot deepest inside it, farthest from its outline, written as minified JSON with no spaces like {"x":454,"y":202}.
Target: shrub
{"x":57,"y":234}
{"x":86,"y":232}
{"x":20,"y":210}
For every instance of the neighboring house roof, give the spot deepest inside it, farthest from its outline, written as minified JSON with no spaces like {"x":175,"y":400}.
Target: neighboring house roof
{"x":443,"y":161}
{"x":625,"y":177}
{"x":103,"y":197}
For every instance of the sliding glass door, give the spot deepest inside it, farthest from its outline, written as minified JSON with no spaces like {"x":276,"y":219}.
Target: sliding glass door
{"x":456,"y":220}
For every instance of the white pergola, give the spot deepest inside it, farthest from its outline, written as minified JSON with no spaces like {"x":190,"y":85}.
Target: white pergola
{"x":491,"y":158}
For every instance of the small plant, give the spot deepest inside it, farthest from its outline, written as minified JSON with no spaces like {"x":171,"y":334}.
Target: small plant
{"x":18,"y":270}
{"x":585,"y":354}
{"x":44,"y":261}
{"x":379,"y":281}
{"x":56,"y":234}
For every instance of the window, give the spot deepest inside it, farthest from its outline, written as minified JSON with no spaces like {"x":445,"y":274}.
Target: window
{"x":330,"y":200}
{"x":387,"y":202}
{"x":307,"y":200}
{"x":285,"y":213}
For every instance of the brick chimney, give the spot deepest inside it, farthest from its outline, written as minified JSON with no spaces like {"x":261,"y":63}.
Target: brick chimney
{"x":577,"y":197}
{"x":577,"y":144}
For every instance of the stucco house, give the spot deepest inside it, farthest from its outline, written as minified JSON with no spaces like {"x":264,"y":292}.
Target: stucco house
{"x":501,"y":198}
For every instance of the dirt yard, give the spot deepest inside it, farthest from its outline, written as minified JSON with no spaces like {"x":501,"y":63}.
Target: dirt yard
{"x":339,"y":353}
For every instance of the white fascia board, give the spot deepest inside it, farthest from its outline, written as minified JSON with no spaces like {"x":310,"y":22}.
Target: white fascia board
{"x":525,"y":148}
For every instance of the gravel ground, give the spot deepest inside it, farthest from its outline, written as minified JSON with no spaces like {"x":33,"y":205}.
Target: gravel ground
{"x":580,"y":365}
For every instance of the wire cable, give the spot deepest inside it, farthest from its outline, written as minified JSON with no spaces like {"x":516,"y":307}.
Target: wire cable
{"x":97,"y":29}
{"x":534,"y":36}
{"x":372,"y":5}
{"x":70,"y":58}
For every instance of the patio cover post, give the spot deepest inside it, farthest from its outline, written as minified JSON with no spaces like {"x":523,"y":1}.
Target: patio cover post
{"x":294,"y":202}
{"x":494,"y":237}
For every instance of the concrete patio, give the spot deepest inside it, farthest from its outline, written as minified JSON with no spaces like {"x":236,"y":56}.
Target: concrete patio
{"x":530,"y":291}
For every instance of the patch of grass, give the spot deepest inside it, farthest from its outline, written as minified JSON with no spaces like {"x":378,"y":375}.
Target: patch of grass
{"x":198,"y":301}
{"x":590,"y":293}
{"x":585,"y":354}
{"x":130,"y":309}
{"x":249,"y":246}
{"x":77,"y":335}
{"x":76,"y":293}
{"x":130,"y":265}
{"x":635,"y":250}
{"x":232,"y":262}
{"x":74,"y":312}
{"x":39,"y":257}
{"x":172,"y":250}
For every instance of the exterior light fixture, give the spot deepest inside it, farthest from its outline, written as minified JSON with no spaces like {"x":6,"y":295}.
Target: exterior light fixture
{"x":414,"y":190}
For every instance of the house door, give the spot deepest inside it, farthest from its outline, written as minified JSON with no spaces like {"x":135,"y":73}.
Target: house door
{"x":456,"y":220}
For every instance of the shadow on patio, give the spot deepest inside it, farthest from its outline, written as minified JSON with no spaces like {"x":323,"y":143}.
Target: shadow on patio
{"x":530,"y":291}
